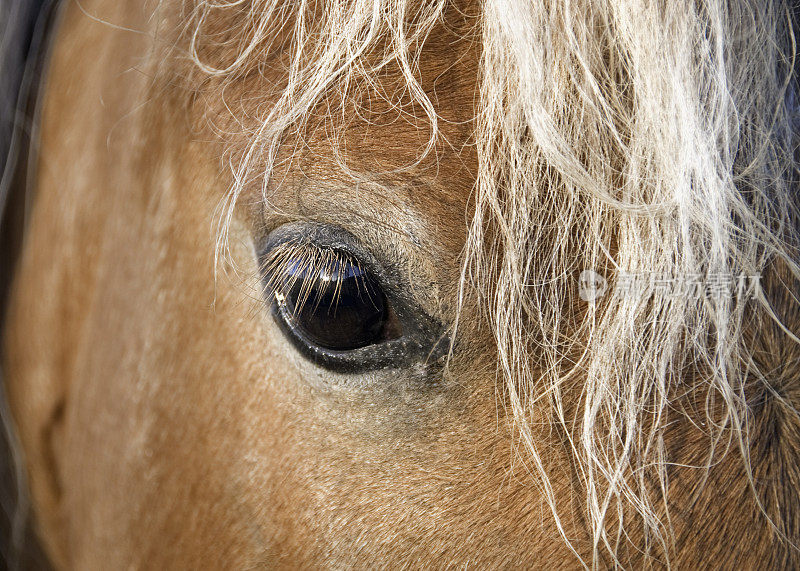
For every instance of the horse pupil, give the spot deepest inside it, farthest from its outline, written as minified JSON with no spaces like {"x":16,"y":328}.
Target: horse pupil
{"x":340,"y":308}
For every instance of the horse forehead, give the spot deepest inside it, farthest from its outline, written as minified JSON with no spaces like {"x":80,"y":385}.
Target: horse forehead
{"x":360,"y":151}
{"x":373,"y":123}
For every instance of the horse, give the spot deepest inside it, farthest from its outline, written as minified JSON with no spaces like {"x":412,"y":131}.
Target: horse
{"x":412,"y":283}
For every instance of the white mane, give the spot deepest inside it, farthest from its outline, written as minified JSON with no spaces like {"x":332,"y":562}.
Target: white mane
{"x":624,"y":137}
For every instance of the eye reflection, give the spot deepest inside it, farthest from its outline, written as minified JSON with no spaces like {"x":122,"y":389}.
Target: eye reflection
{"x":326,"y":297}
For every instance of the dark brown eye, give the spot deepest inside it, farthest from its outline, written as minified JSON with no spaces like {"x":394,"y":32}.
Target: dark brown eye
{"x":340,"y":307}
{"x":331,"y":301}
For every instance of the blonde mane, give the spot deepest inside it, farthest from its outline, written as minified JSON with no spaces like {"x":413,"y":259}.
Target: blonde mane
{"x":627,"y":137}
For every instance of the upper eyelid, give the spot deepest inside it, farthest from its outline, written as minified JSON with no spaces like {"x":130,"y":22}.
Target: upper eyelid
{"x":390,"y":269}
{"x":325,"y":236}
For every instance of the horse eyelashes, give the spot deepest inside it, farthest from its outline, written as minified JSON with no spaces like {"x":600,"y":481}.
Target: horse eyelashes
{"x":326,"y":298}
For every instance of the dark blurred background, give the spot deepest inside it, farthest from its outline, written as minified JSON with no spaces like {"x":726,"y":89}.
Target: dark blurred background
{"x":24,"y":27}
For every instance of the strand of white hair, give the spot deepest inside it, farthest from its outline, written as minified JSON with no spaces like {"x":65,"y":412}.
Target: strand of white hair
{"x":616,"y":136}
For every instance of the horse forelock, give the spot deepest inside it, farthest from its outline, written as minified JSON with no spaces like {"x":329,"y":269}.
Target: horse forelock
{"x":626,"y":138}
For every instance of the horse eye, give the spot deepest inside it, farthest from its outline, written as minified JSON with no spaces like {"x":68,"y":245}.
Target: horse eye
{"x":331,"y":301}
{"x":341,"y":308}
